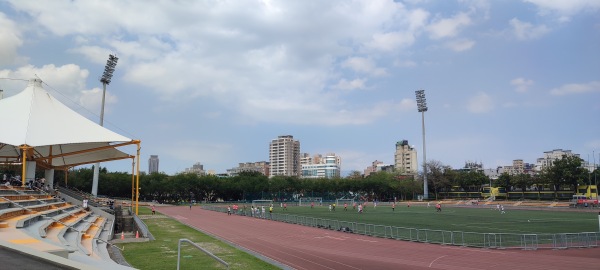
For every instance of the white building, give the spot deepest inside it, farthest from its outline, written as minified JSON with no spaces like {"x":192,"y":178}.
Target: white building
{"x":328,"y":166}
{"x":551,"y":156}
{"x":284,"y":156}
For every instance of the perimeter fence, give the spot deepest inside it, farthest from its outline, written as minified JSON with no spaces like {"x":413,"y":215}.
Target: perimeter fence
{"x":456,"y":238}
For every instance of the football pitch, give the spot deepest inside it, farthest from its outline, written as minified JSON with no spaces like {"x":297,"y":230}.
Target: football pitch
{"x":480,"y":219}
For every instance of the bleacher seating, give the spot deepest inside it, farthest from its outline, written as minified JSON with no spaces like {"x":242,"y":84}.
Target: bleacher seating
{"x":35,"y":219}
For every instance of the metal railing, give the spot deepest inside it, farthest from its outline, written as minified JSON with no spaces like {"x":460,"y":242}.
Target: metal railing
{"x":200,"y":248}
{"x":456,"y":238}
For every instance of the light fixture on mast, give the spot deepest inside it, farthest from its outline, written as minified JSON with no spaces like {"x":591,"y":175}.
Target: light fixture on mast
{"x":422,"y":107}
{"x":111,"y":64}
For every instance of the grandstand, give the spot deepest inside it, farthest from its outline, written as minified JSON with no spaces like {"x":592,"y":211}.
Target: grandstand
{"x":49,"y":231}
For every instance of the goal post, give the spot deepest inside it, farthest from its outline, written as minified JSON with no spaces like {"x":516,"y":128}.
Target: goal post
{"x":306,"y":201}
{"x":257,"y":203}
{"x":340,"y":202}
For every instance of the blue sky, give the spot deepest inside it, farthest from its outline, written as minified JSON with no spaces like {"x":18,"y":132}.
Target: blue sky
{"x":215,"y":81}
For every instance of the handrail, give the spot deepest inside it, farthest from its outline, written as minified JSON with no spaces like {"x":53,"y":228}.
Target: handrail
{"x":18,"y":205}
{"x":121,"y":249}
{"x":200,"y":248}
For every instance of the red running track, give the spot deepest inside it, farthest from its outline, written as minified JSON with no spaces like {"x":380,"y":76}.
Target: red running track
{"x":302,"y":247}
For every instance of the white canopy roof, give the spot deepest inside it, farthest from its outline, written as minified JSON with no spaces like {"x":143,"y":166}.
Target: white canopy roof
{"x":58,"y":135}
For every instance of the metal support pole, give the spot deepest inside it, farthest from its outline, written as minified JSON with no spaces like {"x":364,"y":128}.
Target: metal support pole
{"x":422,"y":108}
{"x":97,"y":165}
{"x":425,"y":187}
{"x":111,"y":63}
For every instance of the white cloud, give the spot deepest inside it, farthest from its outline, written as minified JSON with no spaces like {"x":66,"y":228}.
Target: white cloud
{"x":525,"y":30}
{"x":568,"y":7}
{"x":257,"y":55}
{"x":363,"y":65}
{"x":407,"y":104}
{"x":450,"y":27}
{"x":391,"y":41}
{"x":66,"y":83}
{"x":576,"y":88}
{"x":460,"y":45}
{"x":521,"y":84}
{"x":11,"y":40}
{"x":481,"y":103}
{"x":350,"y":85}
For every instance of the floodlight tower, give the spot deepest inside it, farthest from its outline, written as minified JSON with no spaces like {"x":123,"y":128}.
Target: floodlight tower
{"x":422,"y":107}
{"x":111,"y":63}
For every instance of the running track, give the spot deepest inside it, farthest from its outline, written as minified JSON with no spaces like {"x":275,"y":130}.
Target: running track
{"x":302,"y":247}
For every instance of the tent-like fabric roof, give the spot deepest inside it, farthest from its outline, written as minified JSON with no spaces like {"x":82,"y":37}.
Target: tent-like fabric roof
{"x":56,"y":135}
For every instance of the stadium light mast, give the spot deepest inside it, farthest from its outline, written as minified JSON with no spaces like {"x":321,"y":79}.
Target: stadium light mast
{"x":111,"y":64}
{"x":422,"y":107}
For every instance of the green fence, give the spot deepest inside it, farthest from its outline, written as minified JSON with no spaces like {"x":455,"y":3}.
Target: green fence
{"x":456,"y":238}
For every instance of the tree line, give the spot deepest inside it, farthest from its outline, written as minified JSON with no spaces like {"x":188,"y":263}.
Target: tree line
{"x":383,"y":186}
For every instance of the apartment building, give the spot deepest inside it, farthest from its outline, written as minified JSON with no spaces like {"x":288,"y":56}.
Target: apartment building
{"x":405,"y":158}
{"x":284,"y":156}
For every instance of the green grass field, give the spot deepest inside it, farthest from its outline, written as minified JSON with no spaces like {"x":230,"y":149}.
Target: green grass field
{"x":162,"y":253}
{"x":482,"y":219}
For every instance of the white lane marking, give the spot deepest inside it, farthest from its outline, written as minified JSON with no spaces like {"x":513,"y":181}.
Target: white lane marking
{"x":436,"y":260}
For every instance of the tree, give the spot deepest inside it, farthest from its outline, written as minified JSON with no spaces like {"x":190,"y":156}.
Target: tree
{"x":436,"y":179}
{"x":566,"y":171}
{"x":355,"y":175}
{"x":506,"y":180}
{"x":522,"y":181}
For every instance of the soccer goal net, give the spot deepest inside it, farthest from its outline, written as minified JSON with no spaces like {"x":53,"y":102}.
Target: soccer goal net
{"x":340,"y":202}
{"x":306,"y":201}
{"x":265,"y":203}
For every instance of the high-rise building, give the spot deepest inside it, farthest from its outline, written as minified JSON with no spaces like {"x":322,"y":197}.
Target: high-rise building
{"x":320,"y":166}
{"x":284,"y":156}
{"x":153,"y":164}
{"x":405,"y":158}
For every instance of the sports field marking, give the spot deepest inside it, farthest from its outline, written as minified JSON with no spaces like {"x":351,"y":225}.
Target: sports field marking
{"x":364,"y":240}
{"x":477,"y":250}
{"x":180,"y":217}
{"x":436,"y":260}
{"x":329,"y":237}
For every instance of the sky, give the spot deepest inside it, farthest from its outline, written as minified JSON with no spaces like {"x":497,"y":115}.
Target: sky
{"x":215,"y":81}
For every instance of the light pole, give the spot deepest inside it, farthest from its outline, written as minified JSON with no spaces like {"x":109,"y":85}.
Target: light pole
{"x":422,"y":107}
{"x":111,"y":63}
